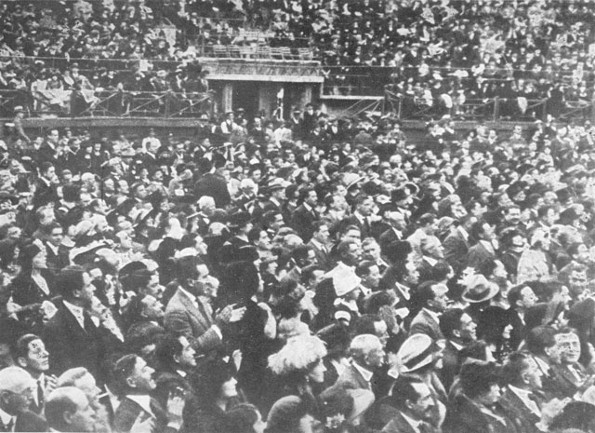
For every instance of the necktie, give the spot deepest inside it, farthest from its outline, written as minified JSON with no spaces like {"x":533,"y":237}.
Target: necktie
{"x":40,"y":397}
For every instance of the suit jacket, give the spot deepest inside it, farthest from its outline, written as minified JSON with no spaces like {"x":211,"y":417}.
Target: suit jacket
{"x":303,"y":221}
{"x":398,"y":425}
{"x":182,"y":317}
{"x":364,"y":227}
{"x":351,"y":378}
{"x":450,"y":365}
{"x":456,"y":248}
{"x":477,"y":255}
{"x":322,"y":256}
{"x":71,"y":346}
{"x":423,"y":323}
{"x":464,"y":416}
{"x":518,"y":412}
{"x":565,"y":381}
{"x":387,"y":238}
{"x":128,"y":411}
{"x":30,"y":422}
{"x":45,"y":193}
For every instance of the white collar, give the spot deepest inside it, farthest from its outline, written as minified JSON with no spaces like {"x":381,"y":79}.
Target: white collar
{"x":463,"y":232}
{"x":52,"y":247}
{"x":456,"y":345}
{"x":77,"y":312}
{"x":144,"y":401}
{"x":181,"y":373}
{"x":431,"y":261}
{"x":432,"y":314}
{"x":366,"y":374}
{"x":308,"y":207}
{"x":7,"y":418}
{"x":412,"y":422}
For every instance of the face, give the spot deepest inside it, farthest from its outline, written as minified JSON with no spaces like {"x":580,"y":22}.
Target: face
{"x":570,"y":348}
{"x":352,"y":255}
{"x":56,"y":236}
{"x":186,"y":357}
{"x":152,"y":308}
{"x":468,"y":328}
{"x":528,"y":298}
{"x":88,"y":290}
{"x":423,"y":407}
{"x":316,"y":373}
{"x":577,"y":281}
{"x":154,"y":288}
{"x":366,"y":207}
{"x":40,"y":260}
{"x":375,"y":358}
{"x":228,"y":389}
{"x":142,"y":377}
{"x":83,"y":420}
{"x":88,"y":385}
{"x":493,"y":395}
{"x":532,"y":374}
{"x":371,"y":251}
{"x":440,"y":301}
{"x":323,"y":234}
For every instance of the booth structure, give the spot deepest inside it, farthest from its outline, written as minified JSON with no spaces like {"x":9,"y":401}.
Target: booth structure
{"x":269,"y":87}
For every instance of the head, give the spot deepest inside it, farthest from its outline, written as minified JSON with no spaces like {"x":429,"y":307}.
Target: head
{"x":521,"y":370}
{"x":569,"y":346}
{"x":521,"y":297}
{"x":349,"y":252}
{"x":368,"y":351}
{"x":76,"y":286}
{"x":16,"y":390}
{"x":135,"y":376}
{"x":80,"y":378}
{"x":301,"y":358}
{"x":433,"y":296}
{"x":480,"y":382}
{"x":175,"y":353}
{"x":30,"y":354}
{"x":68,"y":409}
{"x":414,"y":398}
{"x":457,"y":325}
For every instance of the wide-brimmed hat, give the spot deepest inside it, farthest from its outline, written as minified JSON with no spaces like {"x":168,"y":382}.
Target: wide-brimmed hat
{"x":415,"y":352}
{"x":479,"y":289}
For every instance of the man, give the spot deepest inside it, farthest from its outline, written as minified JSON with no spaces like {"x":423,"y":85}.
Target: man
{"x":459,"y":330}
{"x":72,"y":338}
{"x":189,"y":313}
{"x":276,"y":199}
{"x":371,"y":251}
{"x":69,"y":410}
{"x":456,"y":244}
{"x":363,"y":210}
{"x":136,"y":378}
{"x":367,"y":355}
{"x":49,"y":149}
{"x":522,"y":399}
{"x":433,"y":298}
{"x":46,"y":191}
{"x":520,"y":298}
{"x":427,"y":227}
{"x":414,"y":403}
{"x":305,"y":216}
{"x":16,"y":394}
{"x":30,"y":354}
{"x":569,"y":375}
{"x":484,"y":249}
{"x":56,"y":257}
{"x":212,"y":182}
{"x":396,"y":232}
{"x":175,"y":357}
{"x":319,"y":244}
{"x":476,"y":408}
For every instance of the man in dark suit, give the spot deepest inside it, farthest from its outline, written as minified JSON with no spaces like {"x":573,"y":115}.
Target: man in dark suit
{"x":459,"y":330}
{"x":189,"y":312}
{"x":363,"y":208}
{"x":396,"y":231}
{"x":433,"y":297}
{"x":522,"y":398}
{"x":175,"y":359}
{"x":483,"y":250}
{"x":16,"y":390}
{"x":46,"y":190}
{"x":212,"y":182}
{"x":71,"y":337}
{"x":30,"y":354}
{"x":319,"y":244}
{"x":414,"y":406}
{"x":69,"y":410}
{"x":305,"y":216}
{"x":137,"y":406}
{"x":456,"y":244}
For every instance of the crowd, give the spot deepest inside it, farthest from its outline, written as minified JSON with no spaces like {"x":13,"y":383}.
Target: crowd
{"x":441,"y":54}
{"x":308,"y":275}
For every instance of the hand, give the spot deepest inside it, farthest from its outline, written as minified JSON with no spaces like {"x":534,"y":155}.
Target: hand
{"x":175,"y":407}
{"x":51,"y":383}
{"x":143,"y":425}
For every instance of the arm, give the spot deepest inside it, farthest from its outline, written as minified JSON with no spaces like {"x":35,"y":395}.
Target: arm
{"x":178,"y":322}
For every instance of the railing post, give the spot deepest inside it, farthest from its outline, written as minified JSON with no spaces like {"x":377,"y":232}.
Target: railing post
{"x":167,"y":104}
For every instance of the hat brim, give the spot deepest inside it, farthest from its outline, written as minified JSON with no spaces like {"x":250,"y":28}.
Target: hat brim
{"x":489,"y":294}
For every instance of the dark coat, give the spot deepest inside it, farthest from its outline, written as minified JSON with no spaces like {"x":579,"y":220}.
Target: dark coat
{"x":518,"y":412}
{"x":303,"y":221}
{"x":215,"y":186}
{"x":423,"y":323}
{"x":456,"y":248}
{"x":463,"y":416}
{"x":71,"y":346}
{"x":128,"y":411}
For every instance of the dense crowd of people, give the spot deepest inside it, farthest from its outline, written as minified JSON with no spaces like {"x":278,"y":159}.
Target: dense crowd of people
{"x":308,"y":275}
{"x":440,"y":54}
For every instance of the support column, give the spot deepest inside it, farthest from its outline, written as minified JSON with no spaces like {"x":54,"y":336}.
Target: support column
{"x":227,"y":98}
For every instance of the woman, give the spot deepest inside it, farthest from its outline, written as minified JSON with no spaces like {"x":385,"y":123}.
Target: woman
{"x":535,"y":263}
{"x":33,"y":284}
{"x":297,"y":367}
{"x":216,"y":393}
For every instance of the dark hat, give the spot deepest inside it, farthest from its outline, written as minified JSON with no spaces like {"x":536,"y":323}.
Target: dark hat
{"x":239,"y":219}
{"x":399,"y":194}
{"x":397,"y":251}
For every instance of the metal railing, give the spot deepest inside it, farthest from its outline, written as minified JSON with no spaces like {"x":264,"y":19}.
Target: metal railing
{"x":105,"y":103}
